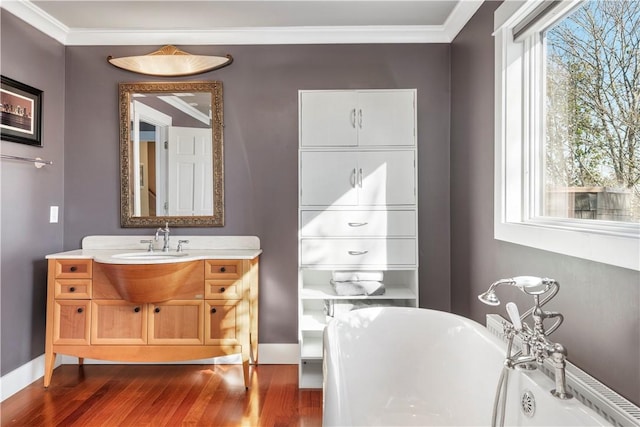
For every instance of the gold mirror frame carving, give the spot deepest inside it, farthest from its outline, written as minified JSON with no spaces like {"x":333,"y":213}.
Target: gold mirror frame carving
{"x":126,"y":154}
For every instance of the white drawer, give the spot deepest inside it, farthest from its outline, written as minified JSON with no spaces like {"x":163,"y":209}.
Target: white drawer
{"x":358,"y":252}
{"x":358,"y":223}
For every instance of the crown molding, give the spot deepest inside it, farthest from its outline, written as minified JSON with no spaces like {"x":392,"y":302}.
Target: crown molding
{"x":44,"y":22}
{"x":262,"y":36}
{"x":37,"y":18}
{"x":461,"y":14}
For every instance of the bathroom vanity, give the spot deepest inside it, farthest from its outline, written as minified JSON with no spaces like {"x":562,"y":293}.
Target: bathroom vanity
{"x":113,"y":300}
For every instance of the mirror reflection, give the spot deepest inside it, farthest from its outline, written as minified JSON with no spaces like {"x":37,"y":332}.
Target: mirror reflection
{"x":171,"y":153}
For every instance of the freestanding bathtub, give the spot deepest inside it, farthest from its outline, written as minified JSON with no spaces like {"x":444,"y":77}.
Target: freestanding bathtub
{"x":408,"y":366}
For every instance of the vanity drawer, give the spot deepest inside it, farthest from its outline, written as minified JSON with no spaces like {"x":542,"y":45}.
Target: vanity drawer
{"x":72,"y":289}
{"x":223,"y":289}
{"x":358,"y":223}
{"x":358,"y":252}
{"x":223,"y":269}
{"x":73,"y":268}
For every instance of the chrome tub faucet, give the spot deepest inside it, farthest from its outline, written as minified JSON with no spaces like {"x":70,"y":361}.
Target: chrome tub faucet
{"x":536,"y":347}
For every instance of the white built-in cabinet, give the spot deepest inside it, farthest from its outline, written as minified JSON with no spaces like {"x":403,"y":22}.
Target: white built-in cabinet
{"x":358,"y":207}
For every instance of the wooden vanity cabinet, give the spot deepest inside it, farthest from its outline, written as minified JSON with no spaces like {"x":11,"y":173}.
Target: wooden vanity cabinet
{"x":215,"y":314}
{"x":225,"y":303}
{"x":71,"y":306}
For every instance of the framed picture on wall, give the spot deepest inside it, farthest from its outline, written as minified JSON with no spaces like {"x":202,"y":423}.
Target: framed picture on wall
{"x":20,"y":113}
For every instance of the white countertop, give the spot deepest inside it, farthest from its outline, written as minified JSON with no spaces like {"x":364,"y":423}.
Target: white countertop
{"x":103,"y":248}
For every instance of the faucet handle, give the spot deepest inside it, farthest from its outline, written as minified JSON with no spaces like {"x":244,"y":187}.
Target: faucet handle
{"x":180,"y":242}
{"x":149,"y":242}
{"x":514,"y":315}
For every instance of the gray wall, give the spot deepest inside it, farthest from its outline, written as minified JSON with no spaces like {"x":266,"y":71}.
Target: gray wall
{"x":260,"y":95}
{"x":32,"y":58}
{"x":601,"y":303}
{"x":261,"y":140}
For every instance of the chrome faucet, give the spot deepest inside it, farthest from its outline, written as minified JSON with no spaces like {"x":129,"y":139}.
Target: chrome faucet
{"x":165,"y":231}
{"x":536,"y":347}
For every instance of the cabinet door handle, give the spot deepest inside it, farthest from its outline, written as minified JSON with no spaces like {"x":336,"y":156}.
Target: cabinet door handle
{"x":213,"y":310}
{"x":357,"y":224}
{"x":80,"y":310}
{"x":353,"y":118}
{"x":136,"y":310}
{"x":360,"y":177}
{"x":222,"y":269}
{"x":358,"y":252}
{"x":72,"y":289}
{"x":360,"y":118}
{"x":157,"y":310}
{"x":73,"y":268}
{"x":222,"y":289}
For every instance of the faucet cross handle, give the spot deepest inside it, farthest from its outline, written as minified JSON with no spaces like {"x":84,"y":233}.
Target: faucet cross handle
{"x":180,"y":242}
{"x":149,"y":242}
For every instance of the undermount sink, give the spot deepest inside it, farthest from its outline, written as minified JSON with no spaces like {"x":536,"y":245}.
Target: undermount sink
{"x":150,"y":256}
{"x":149,"y":282}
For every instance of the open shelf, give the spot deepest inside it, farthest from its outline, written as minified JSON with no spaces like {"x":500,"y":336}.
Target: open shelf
{"x":326,"y":292}
{"x":311,"y":347}
{"x":310,"y":374}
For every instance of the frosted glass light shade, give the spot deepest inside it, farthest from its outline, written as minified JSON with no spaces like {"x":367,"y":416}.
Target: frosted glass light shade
{"x":170,"y":61}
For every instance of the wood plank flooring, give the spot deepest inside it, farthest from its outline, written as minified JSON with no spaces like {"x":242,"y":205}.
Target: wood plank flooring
{"x":165,"y":395}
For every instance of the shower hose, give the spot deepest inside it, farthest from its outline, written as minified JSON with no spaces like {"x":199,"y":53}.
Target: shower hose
{"x":501,"y":391}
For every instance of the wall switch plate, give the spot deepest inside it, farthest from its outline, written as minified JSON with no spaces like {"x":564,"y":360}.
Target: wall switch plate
{"x":53,"y":214}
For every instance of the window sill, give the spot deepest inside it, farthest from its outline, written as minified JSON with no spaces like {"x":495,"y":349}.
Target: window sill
{"x":609,"y":248}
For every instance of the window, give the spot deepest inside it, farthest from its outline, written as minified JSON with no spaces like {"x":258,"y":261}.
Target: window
{"x":568,"y":128}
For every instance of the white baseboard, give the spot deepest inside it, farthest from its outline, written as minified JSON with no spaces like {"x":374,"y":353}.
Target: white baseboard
{"x":21,"y":377}
{"x":278,"y":354}
{"x":16,"y":380}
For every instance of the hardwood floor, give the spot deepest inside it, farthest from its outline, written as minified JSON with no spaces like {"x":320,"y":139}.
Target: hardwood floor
{"x":165,"y":395}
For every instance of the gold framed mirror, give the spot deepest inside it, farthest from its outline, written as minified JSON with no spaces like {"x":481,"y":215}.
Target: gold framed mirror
{"x":171,"y":154}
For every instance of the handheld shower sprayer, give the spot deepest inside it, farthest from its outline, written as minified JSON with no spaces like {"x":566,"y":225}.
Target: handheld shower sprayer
{"x":530,"y":285}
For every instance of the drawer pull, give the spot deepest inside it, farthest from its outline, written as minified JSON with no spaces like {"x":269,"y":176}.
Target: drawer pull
{"x":357,"y":224}
{"x":73,"y":268}
{"x":213,"y":310}
{"x":222,"y":290}
{"x":80,"y":310}
{"x":358,"y":252}
{"x":222,"y":269}
{"x":157,"y":310}
{"x":72,"y":289}
{"x":136,"y":310}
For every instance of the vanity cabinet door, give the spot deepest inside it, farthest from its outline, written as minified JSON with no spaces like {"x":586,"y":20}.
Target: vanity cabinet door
{"x":71,"y":322}
{"x":118,"y":322}
{"x":222,"y":322}
{"x":176,"y":323}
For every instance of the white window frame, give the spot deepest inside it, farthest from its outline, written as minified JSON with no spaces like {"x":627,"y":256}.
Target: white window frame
{"x":607,"y":242}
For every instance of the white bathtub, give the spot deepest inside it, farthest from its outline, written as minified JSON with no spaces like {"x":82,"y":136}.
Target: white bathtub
{"x":407,"y":366}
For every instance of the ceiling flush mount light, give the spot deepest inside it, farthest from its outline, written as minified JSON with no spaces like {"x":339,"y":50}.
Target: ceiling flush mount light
{"x":170,"y":61}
